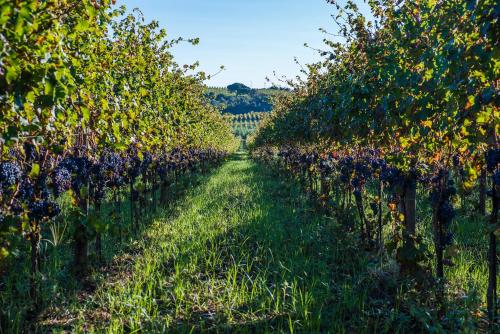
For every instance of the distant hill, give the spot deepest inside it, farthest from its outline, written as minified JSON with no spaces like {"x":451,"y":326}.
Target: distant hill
{"x":239,"y":99}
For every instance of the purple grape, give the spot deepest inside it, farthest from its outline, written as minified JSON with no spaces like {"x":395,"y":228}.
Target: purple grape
{"x":113,"y":167}
{"x":61,"y":180}
{"x":496,"y":178}
{"x":43,"y":210}
{"x":30,"y":152}
{"x":10,"y":174}
{"x":492,"y":159}
{"x":357,"y":194}
{"x":79,"y":167}
{"x":356,"y":182}
{"x":446,"y":213}
{"x":26,"y":190}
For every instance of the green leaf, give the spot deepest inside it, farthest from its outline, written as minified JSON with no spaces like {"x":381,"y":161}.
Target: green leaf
{"x":13,"y":73}
{"x":82,"y":25}
{"x":85,"y":113}
{"x":49,"y":88}
{"x":5,"y":14}
{"x":35,"y":170}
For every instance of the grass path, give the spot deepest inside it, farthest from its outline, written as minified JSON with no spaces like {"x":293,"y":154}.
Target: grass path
{"x":243,"y":253}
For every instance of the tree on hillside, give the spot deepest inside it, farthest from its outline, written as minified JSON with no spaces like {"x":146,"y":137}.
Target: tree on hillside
{"x":239,"y":88}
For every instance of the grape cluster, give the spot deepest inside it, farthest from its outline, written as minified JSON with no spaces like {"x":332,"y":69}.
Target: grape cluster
{"x":362,"y":173}
{"x":61,"y":180}
{"x":133,"y":164}
{"x":26,"y":190}
{"x":79,"y":167}
{"x":97,"y":182}
{"x":392,"y":176}
{"x":146,"y":162}
{"x":377,"y":164}
{"x":10,"y":174}
{"x":35,"y":196}
{"x":492,"y":159}
{"x":326,"y":165}
{"x":346,"y":166}
{"x":30,"y":152}
{"x":441,"y":198}
{"x":162,"y":166}
{"x":113,"y":166}
{"x":363,"y":170}
{"x":43,"y":209}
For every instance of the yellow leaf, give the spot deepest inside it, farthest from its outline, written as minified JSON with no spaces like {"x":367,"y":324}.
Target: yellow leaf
{"x":427,"y":123}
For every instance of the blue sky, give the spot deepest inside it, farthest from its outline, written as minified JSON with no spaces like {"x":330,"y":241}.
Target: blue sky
{"x":251,"y":38}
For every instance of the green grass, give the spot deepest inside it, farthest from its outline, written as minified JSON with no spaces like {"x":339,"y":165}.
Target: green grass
{"x":58,"y":290}
{"x":242,"y":253}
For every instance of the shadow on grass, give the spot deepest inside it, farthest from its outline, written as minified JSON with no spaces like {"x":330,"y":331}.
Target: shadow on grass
{"x":281,"y":267}
{"x":58,"y":287}
{"x":239,"y":156}
{"x":266,"y":261}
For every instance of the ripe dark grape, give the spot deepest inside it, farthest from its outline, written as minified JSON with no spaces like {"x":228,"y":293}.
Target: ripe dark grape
{"x":446,"y":213}
{"x":356,"y":182}
{"x":162,"y":165}
{"x":16,"y":209}
{"x":362,"y":170}
{"x":391,"y":176}
{"x":113,"y":166}
{"x":10,"y":174}
{"x":357,"y":193}
{"x":377,"y":163}
{"x":79,"y":167}
{"x":61,"y":180}
{"x":492,"y":159}
{"x":146,"y":162}
{"x":15,"y":154}
{"x":43,"y":209}
{"x":97,"y":181}
{"x":133,"y":165}
{"x":26,"y":190}
{"x":30,"y":152}
{"x":326,"y":166}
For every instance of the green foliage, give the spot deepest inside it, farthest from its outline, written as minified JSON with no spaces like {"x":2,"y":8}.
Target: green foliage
{"x":241,"y":101}
{"x":80,"y":79}
{"x":245,"y":124}
{"x":239,"y":88}
{"x":421,"y":85}
{"x":73,"y":68}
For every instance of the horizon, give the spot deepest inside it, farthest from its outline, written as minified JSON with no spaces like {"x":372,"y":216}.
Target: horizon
{"x":250,"y":47}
